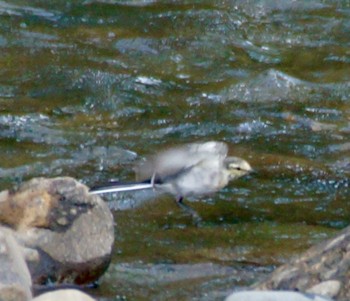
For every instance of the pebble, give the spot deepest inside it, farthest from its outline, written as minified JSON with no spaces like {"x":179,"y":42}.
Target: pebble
{"x":274,"y":296}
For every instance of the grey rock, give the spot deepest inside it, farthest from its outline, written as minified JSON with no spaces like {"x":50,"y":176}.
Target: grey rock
{"x":273,"y":296}
{"x":328,"y":288}
{"x":67,"y":234}
{"x":323,"y":269}
{"x":66,"y":295}
{"x":15,"y":280}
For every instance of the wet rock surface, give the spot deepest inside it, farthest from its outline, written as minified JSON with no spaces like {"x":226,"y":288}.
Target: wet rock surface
{"x":324,"y":269}
{"x":67,"y":234}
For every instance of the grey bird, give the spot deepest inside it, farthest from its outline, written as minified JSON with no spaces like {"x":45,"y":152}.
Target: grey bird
{"x":194,"y":169}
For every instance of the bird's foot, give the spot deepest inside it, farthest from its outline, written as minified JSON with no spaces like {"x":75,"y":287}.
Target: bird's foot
{"x":196,"y":219}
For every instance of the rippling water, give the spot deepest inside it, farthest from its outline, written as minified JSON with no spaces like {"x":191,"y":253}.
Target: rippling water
{"x":88,"y":87}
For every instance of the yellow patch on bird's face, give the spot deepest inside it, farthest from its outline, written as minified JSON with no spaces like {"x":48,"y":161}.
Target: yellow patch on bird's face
{"x":234,"y":166}
{"x":238,"y":168}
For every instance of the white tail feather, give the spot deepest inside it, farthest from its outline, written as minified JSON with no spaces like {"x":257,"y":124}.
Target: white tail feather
{"x":121,"y":187}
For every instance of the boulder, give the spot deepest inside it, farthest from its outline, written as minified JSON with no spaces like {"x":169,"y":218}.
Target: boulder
{"x":15,"y":280}
{"x":67,"y":233}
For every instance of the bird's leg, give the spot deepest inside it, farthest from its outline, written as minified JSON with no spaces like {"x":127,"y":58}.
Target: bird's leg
{"x":153,"y":180}
{"x":179,"y":199}
{"x":195,"y":216}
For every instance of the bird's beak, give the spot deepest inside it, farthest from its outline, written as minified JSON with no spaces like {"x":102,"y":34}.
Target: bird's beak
{"x":252,"y":172}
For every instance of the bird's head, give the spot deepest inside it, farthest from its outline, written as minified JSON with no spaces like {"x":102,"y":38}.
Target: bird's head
{"x":237,"y":167}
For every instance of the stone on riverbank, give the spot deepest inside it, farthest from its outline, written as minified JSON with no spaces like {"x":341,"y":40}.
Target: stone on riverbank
{"x":64,"y":294}
{"x":273,"y":296}
{"x":67,"y":234}
{"x":324,"y":269}
{"x":15,"y":280}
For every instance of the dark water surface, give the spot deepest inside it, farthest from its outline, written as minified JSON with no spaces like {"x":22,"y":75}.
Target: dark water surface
{"x":89,"y":87}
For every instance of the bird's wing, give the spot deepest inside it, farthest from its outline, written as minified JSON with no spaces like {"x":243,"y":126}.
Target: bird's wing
{"x":208,"y":148}
{"x":177,"y":160}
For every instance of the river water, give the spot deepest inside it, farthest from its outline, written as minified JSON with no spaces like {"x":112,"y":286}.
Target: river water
{"x":87,"y":88}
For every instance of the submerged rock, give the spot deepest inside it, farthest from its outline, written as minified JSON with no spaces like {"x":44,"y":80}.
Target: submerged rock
{"x":275,"y":86}
{"x":67,"y":234}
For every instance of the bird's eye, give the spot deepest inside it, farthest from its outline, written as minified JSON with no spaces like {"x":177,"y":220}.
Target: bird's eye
{"x":238,"y":168}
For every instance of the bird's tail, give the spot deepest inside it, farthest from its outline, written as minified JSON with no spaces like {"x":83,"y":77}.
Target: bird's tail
{"x":119,"y":187}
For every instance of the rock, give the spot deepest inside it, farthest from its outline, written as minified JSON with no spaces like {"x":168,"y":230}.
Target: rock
{"x":326,"y":288}
{"x":66,"y":294}
{"x":270,"y":86}
{"x":15,"y":280}
{"x":67,"y":233}
{"x":323,"y":269}
{"x":273,"y":296}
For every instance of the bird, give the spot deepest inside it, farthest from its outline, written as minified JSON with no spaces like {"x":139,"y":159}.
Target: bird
{"x":194,"y":169}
